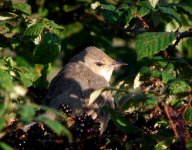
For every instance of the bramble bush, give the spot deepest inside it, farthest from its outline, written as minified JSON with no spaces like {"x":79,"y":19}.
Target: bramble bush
{"x":153,"y":94}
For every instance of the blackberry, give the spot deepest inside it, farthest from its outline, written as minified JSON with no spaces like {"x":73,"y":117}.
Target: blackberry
{"x":35,"y":132}
{"x":86,"y":127}
{"x":14,"y":137}
{"x":64,"y":108}
{"x":21,"y":145}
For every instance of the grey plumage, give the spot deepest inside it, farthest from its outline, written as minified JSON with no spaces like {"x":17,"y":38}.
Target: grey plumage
{"x":78,"y":79}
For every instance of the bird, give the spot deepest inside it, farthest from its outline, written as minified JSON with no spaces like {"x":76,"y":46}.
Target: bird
{"x":89,"y":70}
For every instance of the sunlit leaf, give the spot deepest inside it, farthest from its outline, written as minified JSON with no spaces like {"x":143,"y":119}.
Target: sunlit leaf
{"x":166,"y":76}
{"x":94,"y":95}
{"x":153,"y":2}
{"x":22,"y":7}
{"x":150,"y":43}
{"x":34,"y":30}
{"x":171,"y":12}
{"x":143,"y":11}
{"x":178,"y":86}
{"x":162,"y":145}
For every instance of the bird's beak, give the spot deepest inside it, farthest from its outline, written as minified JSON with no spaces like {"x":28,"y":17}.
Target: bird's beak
{"x":117,"y":64}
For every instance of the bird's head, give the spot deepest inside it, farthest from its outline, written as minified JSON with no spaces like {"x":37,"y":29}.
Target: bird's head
{"x":99,"y":62}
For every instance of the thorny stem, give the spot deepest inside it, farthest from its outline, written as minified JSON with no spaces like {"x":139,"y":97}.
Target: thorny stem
{"x":181,"y":35}
{"x":145,"y":25}
{"x":188,"y":105}
{"x":166,"y":109}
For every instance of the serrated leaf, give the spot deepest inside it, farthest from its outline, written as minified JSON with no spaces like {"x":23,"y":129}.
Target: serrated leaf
{"x":57,"y":127}
{"x":150,"y":101}
{"x":48,"y":49}
{"x":153,"y":2}
{"x":143,"y":11}
{"x":178,"y":87}
{"x":148,"y":44}
{"x":94,"y":95}
{"x":5,"y":81}
{"x":22,"y":7}
{"x":188,"y":114}
{"x":171,"y":12}
{"x":166,"y":76}
{"x":34,"y":30}
{"x":122,"y":123}
{"x":4,"y":146}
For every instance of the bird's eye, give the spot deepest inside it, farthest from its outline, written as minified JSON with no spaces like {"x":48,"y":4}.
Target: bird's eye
{"x":99,"y":64}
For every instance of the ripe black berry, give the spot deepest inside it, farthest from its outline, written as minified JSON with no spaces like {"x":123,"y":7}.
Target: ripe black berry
{"x":64,"y":108}
{"x":35,"y":132}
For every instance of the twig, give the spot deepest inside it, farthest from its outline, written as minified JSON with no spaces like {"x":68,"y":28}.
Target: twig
{"x":144,"y":23}
{"x":181,"y":35}
{"x":188,"y":104}
{"x":171,"y":121}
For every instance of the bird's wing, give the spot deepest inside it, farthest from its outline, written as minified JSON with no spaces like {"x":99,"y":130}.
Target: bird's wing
{"x":73,"y":86}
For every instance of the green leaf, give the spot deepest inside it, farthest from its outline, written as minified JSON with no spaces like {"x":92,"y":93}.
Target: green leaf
{"x":48,"y":49}
{"x":27,"y":78}
{"x":94,"y":95}
{"x":4,"y":146}
{"x":171,"y":12}
{"x":26,"y":113}
{"x":153,"y":2}
{"x":162,"y":145}
{"x":2,"y":123}
{"x":150,"y":101}
{"x":178,"y":87}
{"x":187,"y":9}
{"x":189,"y":144}
{"x":143,"y":11}
{"x":57,"y":127}
{"x":166,"y":76}
{"x":22,"y":7}
{"x":148,"y":44}
{"x":108,"y":7}
{"x":146,"y":4}
{"x":111,"y":13}
{"x":130,"y":14}
{"x":34,"y":30}
{"x":188,"y":114}
{"x":122,"y":123}
{"x":5,"y":81}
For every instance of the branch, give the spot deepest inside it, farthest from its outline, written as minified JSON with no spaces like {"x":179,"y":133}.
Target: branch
{"x":171,"y":121}
{"x":144,"y":23}
{"x":181,"y":35}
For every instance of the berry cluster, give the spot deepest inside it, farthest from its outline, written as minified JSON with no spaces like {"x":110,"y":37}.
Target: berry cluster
{"x":64,"y":108}
{"x":86,"y":127}
{"x":85,"y":130}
